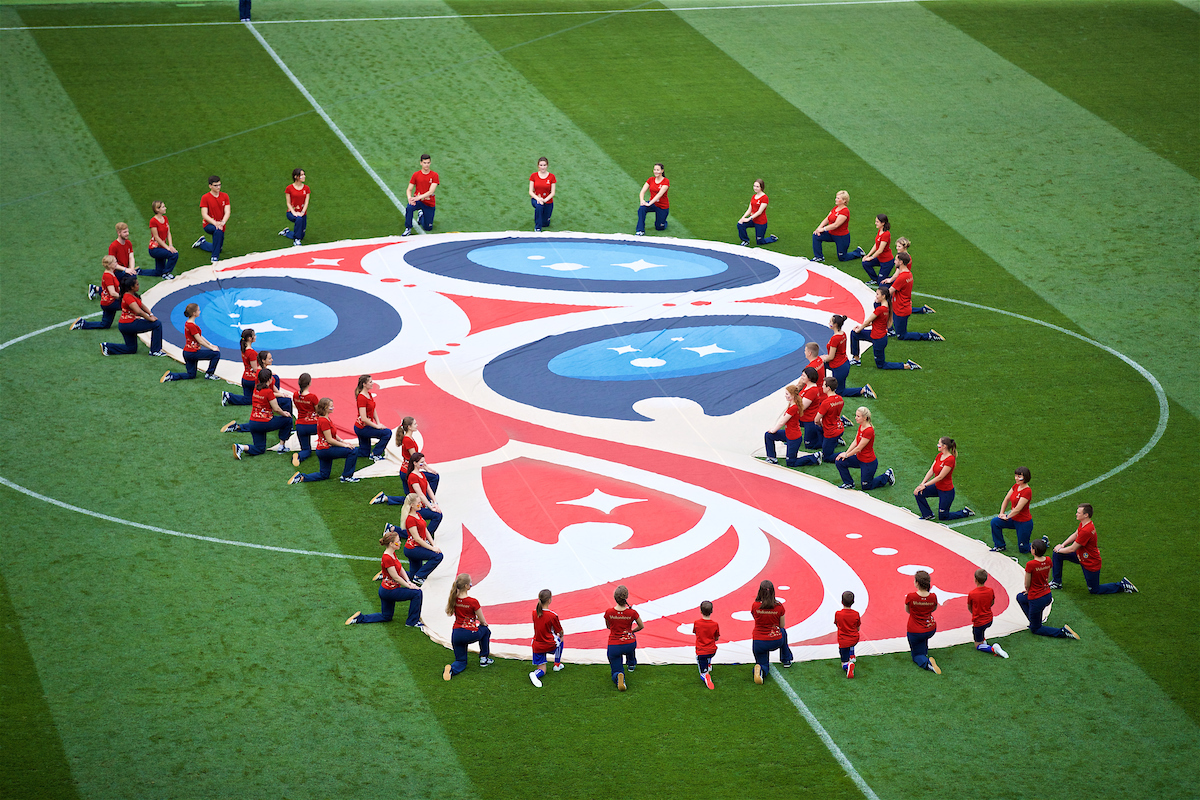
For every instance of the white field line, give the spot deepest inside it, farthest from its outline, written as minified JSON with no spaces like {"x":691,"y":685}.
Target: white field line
{"x":819,"y":729}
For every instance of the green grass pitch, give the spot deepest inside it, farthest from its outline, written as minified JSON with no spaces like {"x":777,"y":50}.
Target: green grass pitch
{"x":1044,"y":157}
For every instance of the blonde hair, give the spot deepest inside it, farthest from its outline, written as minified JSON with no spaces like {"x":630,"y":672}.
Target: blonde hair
{"x":461,"y":584}
{"x":866,"y":412}
{"x":121,"y":226}
{"x":410,"y":500}
{"x":109,"y":262}
{"x":156,"y":205}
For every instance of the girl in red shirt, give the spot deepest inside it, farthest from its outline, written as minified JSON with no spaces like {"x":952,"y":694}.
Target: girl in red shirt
{"x":861,"y":454}
{"x":542,"y":185}
{"x":135,"y":318}
{"x":249,"y":371}
{"x":330,"y":448}
{"x":770,"y":631}
{"x":109,"y":292}
{"x":195,"y":349}
{"x":881,"y":252}
{"x":657,"y":186}
{"x":839,"y":365}
{"x":920,"y":605}
{"x":547,"y":638}
{"x":787,"y":429}
{"x":878,"y":335}
{"x":422,"y":554}
{"x":836,"y":228}
{"x":305,"y":404}
{"x":756,"y":215}
{"x":265,"y":416}
{"x":1014,"y":513}
{"x":161,"y":247}
{"x":295,"y":207}
{"x":396,"y":588}
{"x":469,"y":627}
{"x":939,"y":482}
{"x":368,"y":428}
{"x":1037,"y":596}
{"x":623,"y":622}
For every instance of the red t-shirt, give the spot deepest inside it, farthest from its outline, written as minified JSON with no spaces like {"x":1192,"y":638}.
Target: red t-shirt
{"x":215,"y":206}
{"x":706,"y":631}
{"x":830,"y":412}
{"x":1039,"y":584}
{"x":541,"y":186}
{"x":421,"y":182}
{"x":655,"y":184}
{"x":191,"y":334}
{"x":818,"y":364}
{"x":848,"y":622}
{"x":163,"y":229}
{"x":941,"y":461}
{"x":1089,"y":547}
{"x":844,"y":228}
{"x":792,"y":428}
{"x":879,"y":325}
{"x":306,"y":408}
{"x":323,"y":424}
{"x":296,"y":197}
{"x":884,"y":238}
{"x":249,"y":364}
{"x":260,"y":404}
{"x":867,"y":454}
{"x":390,"y":560}
{"x":1018,"y":491}
{"x":620,"y":624}
{"x":418,"y":479}
{"x":127,"y":300}
{"x":109,"y":281}
{"x":920,"y":612}
{"x":766,"y":621}
{"x":813,"y":395}
{"x":837,"y":343}
{"x":544,"y":628}
{"x":121,"y":251}
{"x":415,"y":520}
{"x":408,"y":446}
{"x":979,"y":602}
{"x":756,"y":202}
{"x":464,"y":613}
{"x":902,"y":294}
{"x":365,"y":400}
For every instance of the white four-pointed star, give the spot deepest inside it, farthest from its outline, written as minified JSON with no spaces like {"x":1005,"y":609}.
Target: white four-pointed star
{"x":604,"y":503}
{"x":639,"y":265}
{"x":268,"y":326}
{"x":623,"y":349}
{"x":811,"y":298}
{"x":325,"y":262}
{"x":708,"y":350}
{"x":388,"y":383}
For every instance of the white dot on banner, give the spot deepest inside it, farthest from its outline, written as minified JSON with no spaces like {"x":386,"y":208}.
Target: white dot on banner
{"x":913,"y":569}
{"x":853,"y":535}
{"x":234,"y":316}
{"x":885,"y":551}
{"x":299,"y":316}
{"x":783,"y":588}
{"x":647,"y":362}
{"x":685,"y":628}
{"x":744,"y":616}
{"x":537,"y":258}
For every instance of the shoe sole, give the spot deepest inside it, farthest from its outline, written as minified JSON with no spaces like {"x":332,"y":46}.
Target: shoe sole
{"x":621,"y":682}
{"x":934,"y":667}
{"x":447,"y":674}
{"x":1071,"y":631}
{"x":353,"y":617}
{"x":758,"y":676}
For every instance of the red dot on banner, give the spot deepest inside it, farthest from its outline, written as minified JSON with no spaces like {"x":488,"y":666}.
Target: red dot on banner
{"x":439,"y":352}
{"x":668,"y":304}
{"x":452,"y":344}
{"x":389,"y":280}
{"x":409,"y":285}
{"x":701,"y":303}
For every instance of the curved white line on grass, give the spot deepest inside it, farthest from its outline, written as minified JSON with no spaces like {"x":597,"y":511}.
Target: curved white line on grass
{"x":1163,"y":408}
{"x":819,"y":729}
{"x":43,"y":330}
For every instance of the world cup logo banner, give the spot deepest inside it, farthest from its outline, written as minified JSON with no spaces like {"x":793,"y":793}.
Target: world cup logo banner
{"x":592,"y":404}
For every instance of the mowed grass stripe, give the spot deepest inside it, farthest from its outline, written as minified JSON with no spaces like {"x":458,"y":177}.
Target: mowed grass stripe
{"x":1056,"y":196}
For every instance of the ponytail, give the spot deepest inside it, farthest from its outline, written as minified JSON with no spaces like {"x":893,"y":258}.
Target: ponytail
{"x":543,"y":600}
{"x":304,"y":381}
{"x":461,"y":584}
{"x":247,"y":335}
{"x":950,"y":445}
{"x":838,"y":321}
{"x":363,"y":381}
{"x":264,"y":378}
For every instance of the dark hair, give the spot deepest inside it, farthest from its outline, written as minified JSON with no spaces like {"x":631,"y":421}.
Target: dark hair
{"x":1039,"y":548}
{"x":981,"y":576}
{"x":213,"y":179}
{"x":706,"y":608}
{"x":922,"y":579}
{"x":264,"y":378}
{"x":1025,"y":474}
{"x":839,"y":320}
{"x":247,"y":335}
{"x":762,"y":185}
{"x":296,"y":173}
{"x":886,"y":291}
{"x":621,"y":595}
{"x":811,"y":374}
{"x":766,"y":595}
{"x":304,"y":381}
{"x":543,"y":596}
{"x":543,"y":158}
{"x":1087,"y":508}
{"x":664,"y":169}
{"x":364,"y":381}
{"x":412,"y":461}
{"x":262,"y":357}
{"x":831,"y":382}
{"x":187,"y":311}
{"x":847,"y":599}
{"x":425,"y":157}
{"x":887,"y":226}
{"x":904,"y":258}
{"x":405,"y":426}
{"x":125,"y":283}
{"x":950,"y":445}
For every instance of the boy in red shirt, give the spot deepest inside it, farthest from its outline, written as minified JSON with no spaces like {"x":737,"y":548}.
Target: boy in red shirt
{"x":848,"y":622}
{"x":1082,"y":548}
{"x":215,"y":211}
{"x":1036,"y":597}
{"x":422,"y":187}
{"x":979,"y":602}
{"x":707,"y":633}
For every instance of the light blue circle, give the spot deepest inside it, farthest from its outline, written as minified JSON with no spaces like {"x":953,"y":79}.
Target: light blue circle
{"x":701,"y":350}
{"x":596,"y":261}
{"x":280,"y":319}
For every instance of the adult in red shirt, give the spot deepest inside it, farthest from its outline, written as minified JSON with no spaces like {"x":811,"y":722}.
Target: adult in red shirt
{"x":421,"y":200}
{"x":756,"y":215}
{"x":542,"y":185}
{"x":707,"y":632}
{"x":252,"y":368}
{"x":1015,"y":513}
{"x":787,"y":429}
{"x":122,"y":249}
{"x":416,"y":477}
{"x":829,"y":419}
{"x":195,"y":349}
{"x":657,"y":187}
{"x":396,"y":588}
{"x":881,"y":252}
{"x":877,"y":335}
{"x":329,"y":448}
{"x":812,"y":351}
{"x":368,"y":428}
{"x":423,"y":555}
{"x":266,"y":415}
{"x":838,"y":364}
{"x":295,"y":201}
{"x":161,"y":247}
{"x":836,"y":228}
{"x":469,"y":627}
{"x":623,"y":622}
{"x":979,"y":602}
{"x":547,"y":638}
{"x":920,"y":605}
{"x":848,"y":624}
{"x":249,"y":371}
{"x":135,"y":318}
{"x":939,"y":482}
{"x":214,"y":216}
{"x":901,"y":285}
{"x":861,"y":455}
{"x":109,"y":292}
{"x":1082,"y":548}
{"x":770,"y":631}
{"x":305,"y":404}
{"x":1036,"y":597}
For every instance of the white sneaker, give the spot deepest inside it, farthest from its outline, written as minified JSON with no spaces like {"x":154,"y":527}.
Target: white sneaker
{"x":559,"y":667}
{"x":534,"y":679}
{"x":998,"y":650}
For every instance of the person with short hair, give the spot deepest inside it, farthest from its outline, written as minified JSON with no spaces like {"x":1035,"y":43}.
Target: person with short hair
{"x":542,"y":186}
{"x":295,"y":207}
{"x":367,"y":427}
{"x":1036,"y":597}
{"x":939,"y":482}
{"x":623,"y":622}
{"x":1082,"y":548}
{"x":848,"y":624}
{"x":861,"y":455}
{"x":266,"y":415}
{"x":657,"y":185}
{"x":109,"y":292}
{"x":836,"y":228}
{"x":422,"y":202}
{"x":122,"y":249}
{"x":829,"y":418}
{"x":396,"y":588}
{"x":161,"y":247}
{"x":1015,"y":513}
{"x":215,"y":211}
{"x":839,"y":364}
{"x":756,"y":216}
{"x":195,"y":349}
{"x":770,"y":631}
{"x":979,"y":602}
{"x":707,"y":632}
{"x":547,"y":638}
{"x":135,"y":319}
{"x":469,"y":627}
{"x":881,"y":252}
{"x":329,"y":448}
{"x":920,"y":605}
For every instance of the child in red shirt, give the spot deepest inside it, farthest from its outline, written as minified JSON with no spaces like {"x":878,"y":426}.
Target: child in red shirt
{"x":979,"y":603}
{"x":547,"y":638}
{"x":707,"y":633}
{"x":848,"y":623}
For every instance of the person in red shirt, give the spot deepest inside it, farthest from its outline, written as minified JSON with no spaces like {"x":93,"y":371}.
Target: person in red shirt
{"x":266,"y":415}
{"x":252,"y":368}
{"x":420,"y":482}
{"x":195,"y":349}
{"x":249,"y":371}
{"x":836,"y":228}
{"x":623,"y":622}
{"x":547,"y":638}
{"x":920,"y":605}
{"x":878,"y":334}
{"x":295,"y":206}
{"x":396,"y":588}
{"x":812,"y":351}
{"x":423,"y":555}
{"x":214,"y":216}
{"x":770,"y":632}
{"x":1015,"y":513}
{"x":122,"y":249}
{"x":161,"y":247}
{"x":421,"y":200}
{"x":787,"y":429}
{"x":135,"y":318}
{"x":829,"y":418}
{"x":939,"y":482}
{"x":542,"y":185}
{"x":881,"y":252}
{"x":861,"y":454}
{"x":408,"y":448}
{"x":469,"y":627}
{"x":901,"y":285}
{"x":708,"y":632}
{"x":657,"y":186}
{"x":368,"y":428}
{"x":1082,"y":548}
{"x":756,"y":215}
{"x":1036,"y":597}
{"x":979,"y":602}
{"x":109,"y":292}
{"x":305,"y":404}
{"x":811,"y":392}
{"x":839,"y":365}
{"x":330,"y":448}
{"x":408,"y":444}
{"x":848,"y":622}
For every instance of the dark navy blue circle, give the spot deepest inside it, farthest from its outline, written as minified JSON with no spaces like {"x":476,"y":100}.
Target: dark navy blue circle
{"x":461,"y":260}
{"x":345,"y":322}
{"x":745,"y":372}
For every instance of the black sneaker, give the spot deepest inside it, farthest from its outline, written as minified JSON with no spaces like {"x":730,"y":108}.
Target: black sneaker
{"x":1055,"y":585}
{"x":93,"y":291}
{"x":198,"y":242}
{"x":351,"y":479}
{"x":1000,"y":549}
